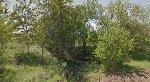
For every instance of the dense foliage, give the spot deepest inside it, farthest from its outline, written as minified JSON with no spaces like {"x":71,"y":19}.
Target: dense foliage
{"x":66,"y":31}
{"x":114,"y":46}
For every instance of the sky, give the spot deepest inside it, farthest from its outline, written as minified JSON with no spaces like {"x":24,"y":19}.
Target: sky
{"x":106,"y":2}
{"x":103,"y":2}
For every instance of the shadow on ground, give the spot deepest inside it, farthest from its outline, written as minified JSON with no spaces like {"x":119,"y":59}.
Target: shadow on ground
{"x":72,"y":71}
{"x":75,"y":70}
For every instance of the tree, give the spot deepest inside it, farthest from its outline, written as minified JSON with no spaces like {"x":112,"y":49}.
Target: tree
{"x":5,"y":30}
{"x":41,"y":33}
{"x":121,"y":16}
{"x":130,"y":16}
{"x":58,"y":23}
{"x":84,"y":15}
{"x":114,"y":46}
{"x":23,"y":17}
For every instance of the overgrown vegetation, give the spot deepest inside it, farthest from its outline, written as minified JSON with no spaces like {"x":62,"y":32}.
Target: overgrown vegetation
{"x":54,"y":40}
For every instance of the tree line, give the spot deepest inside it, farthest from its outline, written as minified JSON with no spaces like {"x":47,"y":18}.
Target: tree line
{"x":122,"y":28}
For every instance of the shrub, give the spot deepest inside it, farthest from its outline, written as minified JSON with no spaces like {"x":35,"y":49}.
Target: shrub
{"x":114,"y":46}
{"x":28,"y":58}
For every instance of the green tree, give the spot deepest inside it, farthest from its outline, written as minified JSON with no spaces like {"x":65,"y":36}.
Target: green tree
{"x":127,"y":17}
{"x":23,"y":16}
{"x":5,"y":30}
{"x":59,"y":26}
{"x":132,"y":18}
{"x":86,"y":36}
{"x":40,"y":31}
{"x":114,"y":46}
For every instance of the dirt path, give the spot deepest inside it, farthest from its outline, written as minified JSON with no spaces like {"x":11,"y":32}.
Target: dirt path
{"x":143,"y":76}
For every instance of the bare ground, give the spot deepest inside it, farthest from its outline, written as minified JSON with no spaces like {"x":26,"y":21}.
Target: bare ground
{"x":138,"y":76}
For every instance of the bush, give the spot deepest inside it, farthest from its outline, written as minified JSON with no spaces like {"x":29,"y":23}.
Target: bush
{"x":114,"y":46}
{"x":33,"y":59}
{"x":28,"y":59}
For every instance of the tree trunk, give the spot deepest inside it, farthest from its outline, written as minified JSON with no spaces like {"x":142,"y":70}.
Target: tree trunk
{"x":84,"y":46}
{"x":42,"y":54}
{"x":42,"y":50}
{"x":2,"y":44}
{"x":28,"y":48}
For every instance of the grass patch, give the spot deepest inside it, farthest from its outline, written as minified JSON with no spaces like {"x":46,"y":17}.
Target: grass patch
{"x":34,"y":67}
{"x":141,"y":64}
{"x":20,"y":73}
{"x":6,"y":75}
{"x":23,"y":67}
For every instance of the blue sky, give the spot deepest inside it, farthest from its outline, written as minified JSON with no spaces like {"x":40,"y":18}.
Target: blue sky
{"x":103,"y":2}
